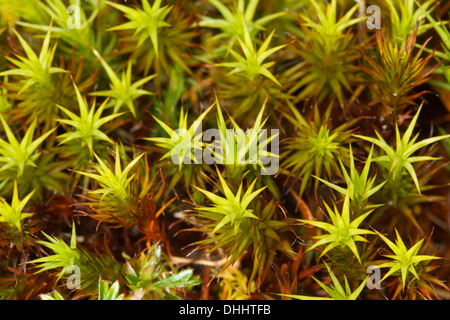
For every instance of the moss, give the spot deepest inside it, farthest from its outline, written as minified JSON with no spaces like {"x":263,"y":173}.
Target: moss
{"x":137,"y":138}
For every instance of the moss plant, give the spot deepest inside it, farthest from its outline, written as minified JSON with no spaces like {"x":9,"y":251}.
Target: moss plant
{"x":168,"y":29}
{"x":342,"y":232}
{"x":236,"y":21}
{"x":403,"y":259}
{"x":246,"y":64}
{"x":317,"y":148}
{"x":327,"y":48}
{"x":224,"y":150}
{"x":86,"y":138}
{"x":12,"y":214}
{"x":37,"y":80}
{"x":406,"y":14}
{"x":18,"y":158}
{"x":399,"y":161}
{"x":359,"y":186}
{"x":335,"y":291}
{"x":397,"y":72}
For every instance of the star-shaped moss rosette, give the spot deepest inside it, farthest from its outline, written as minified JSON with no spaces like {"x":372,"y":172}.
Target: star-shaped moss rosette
{"x":236,"y":222}
{"x":236,"y":19}
{"x":241,"y":151}
{"x":73,"y":24}
{"x":251,"y":64}
{"x":35,"y":73}
{"x":335,"y":290}
{"x":232,"y":209}
{"x":342,"y":232}
{"x":399,"y":159}
{"x":316,"y":148}
{"x":122,"y":91}
{"x":12,"y":214}
{"x":35,"y":69}
{"x":403,"y":260}
{"x":66,"y":258}
{"x":146,"y":22}
{"x":326,"y":48}
{"x":86,"y":136}
{"x":183,"y":141}
{"x":113,"y":200}
{"x":15,"y":156}
{"x":359,"y":186}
